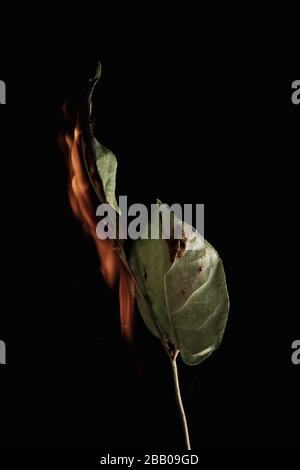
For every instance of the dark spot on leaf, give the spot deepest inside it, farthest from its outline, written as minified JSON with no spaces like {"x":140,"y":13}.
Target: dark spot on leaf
{"x":199,"y":270}
{"x":173,"y":248}
{"x":182,"y":244}
{"x":183,"y":291}
{"x":145,"y":274}
{"x":176,"y":247}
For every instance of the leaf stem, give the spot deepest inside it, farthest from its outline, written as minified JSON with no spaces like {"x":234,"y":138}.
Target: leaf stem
{"x":179,"y":401}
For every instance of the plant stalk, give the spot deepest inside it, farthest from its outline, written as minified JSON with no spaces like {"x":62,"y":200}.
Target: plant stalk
{"x":179,"y":402}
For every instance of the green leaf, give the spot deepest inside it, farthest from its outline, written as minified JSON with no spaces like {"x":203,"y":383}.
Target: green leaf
{"x":182,"y":291}
{"x":106,"y":163}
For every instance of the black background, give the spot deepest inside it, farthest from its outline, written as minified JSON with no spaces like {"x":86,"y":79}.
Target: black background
{"x":188,"y":124}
